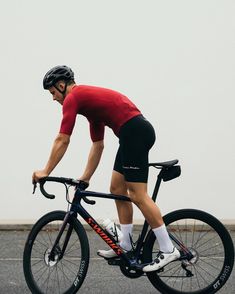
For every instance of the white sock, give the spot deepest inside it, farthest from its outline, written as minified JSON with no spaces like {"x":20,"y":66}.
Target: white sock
{"x":127,"y":231}
{"x":164,"y":241}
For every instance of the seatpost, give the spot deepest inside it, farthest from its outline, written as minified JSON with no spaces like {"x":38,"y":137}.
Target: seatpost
{"x":157,"y":186}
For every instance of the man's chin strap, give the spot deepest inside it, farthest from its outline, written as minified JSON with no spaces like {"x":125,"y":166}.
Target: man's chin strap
{"x":62,"y":92}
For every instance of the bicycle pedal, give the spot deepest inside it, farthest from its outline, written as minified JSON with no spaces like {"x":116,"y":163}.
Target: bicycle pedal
{"x":114,"y":261}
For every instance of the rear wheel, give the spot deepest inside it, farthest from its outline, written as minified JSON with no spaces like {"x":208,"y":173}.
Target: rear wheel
{"x":60,"y":274}
{"x":212,"y":249}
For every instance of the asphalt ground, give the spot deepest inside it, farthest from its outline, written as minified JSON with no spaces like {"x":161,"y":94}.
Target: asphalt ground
{"x":101,"y":277}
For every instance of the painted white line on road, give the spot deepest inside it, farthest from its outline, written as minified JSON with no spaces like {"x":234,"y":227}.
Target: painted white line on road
{"x":20,"y":259}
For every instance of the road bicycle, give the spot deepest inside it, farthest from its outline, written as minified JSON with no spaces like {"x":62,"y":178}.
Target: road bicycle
{"x":56,"y":253}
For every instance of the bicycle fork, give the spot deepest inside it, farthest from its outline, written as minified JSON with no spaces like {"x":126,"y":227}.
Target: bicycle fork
{"x":55,"y":249}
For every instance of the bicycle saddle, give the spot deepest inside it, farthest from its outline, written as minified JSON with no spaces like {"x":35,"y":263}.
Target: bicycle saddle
{"x":165,"y":164}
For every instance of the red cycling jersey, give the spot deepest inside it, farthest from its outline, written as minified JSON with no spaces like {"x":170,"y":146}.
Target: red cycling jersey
{"x":102,"y":107}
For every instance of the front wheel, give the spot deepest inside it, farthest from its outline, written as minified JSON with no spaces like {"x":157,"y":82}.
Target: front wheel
{"x":212,"y":254}
{"x":64,"y":273}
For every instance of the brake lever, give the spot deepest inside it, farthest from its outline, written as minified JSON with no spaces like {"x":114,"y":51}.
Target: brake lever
{"x":34,"y":187}
{"x":82,"y":186}
{"x":88,"y":201}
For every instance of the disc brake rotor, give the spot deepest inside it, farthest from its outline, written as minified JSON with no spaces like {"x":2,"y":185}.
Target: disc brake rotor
{"x":48,"y":260}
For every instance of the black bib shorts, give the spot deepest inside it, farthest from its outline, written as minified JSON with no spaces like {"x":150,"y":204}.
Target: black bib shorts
{"x":136,"y":138}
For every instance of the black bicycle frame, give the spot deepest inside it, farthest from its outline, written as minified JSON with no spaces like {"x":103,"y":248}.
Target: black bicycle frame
{"x":77,"y":208}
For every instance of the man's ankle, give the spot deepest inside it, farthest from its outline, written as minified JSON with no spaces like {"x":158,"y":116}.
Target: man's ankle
{"x":127,"y":233}
{"x":126,"y":245}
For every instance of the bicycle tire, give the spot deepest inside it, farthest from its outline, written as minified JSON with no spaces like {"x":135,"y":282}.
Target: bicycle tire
{"x":64,"y":275}
{"x":219,"y":253}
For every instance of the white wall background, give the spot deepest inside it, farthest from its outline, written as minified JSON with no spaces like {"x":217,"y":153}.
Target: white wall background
{"x":174,"y":59}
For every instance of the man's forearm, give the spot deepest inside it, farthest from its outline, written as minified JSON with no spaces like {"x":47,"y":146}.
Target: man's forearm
{"x":93,"y":160}
{"x":58,"y":150}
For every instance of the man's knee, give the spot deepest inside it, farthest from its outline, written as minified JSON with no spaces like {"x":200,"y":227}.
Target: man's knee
{"x":137,"y":193}
{"x":118,"y":189}
{"x":136,"y":197}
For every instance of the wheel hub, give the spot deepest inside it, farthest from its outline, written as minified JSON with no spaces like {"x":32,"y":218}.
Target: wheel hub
{"x":194,"y":259}
{"x":51,"y":259}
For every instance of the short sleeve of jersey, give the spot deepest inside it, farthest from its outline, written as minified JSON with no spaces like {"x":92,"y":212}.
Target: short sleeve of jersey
{"x":97,"y":131}
{"x":69,"y":116}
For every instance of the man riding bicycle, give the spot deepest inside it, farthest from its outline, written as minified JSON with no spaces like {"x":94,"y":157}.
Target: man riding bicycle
{"x":104,"y":107}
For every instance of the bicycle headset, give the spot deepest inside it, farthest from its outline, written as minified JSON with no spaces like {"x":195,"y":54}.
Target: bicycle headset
{"x":58,"y":73}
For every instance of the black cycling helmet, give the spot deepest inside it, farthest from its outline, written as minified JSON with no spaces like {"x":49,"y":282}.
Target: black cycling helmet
{"x":57,"y":73}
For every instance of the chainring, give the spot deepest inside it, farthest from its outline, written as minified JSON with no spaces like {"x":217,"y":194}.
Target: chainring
{"x":129,"y":272}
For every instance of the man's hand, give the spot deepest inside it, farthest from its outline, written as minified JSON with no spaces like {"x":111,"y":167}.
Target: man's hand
{"x":37,"y":175}
{"x":83,"y":184}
